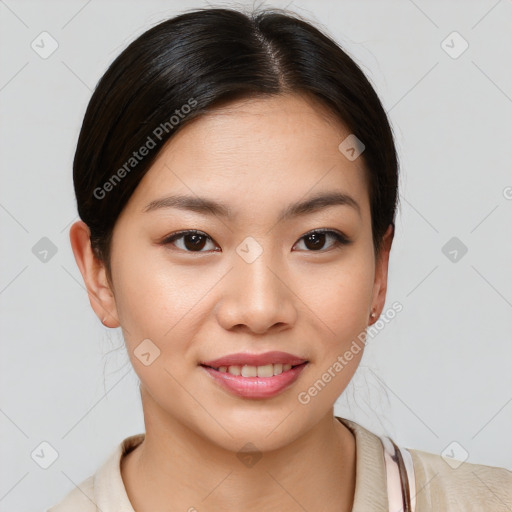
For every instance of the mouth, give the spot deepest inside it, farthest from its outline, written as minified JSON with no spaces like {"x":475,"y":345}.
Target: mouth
{"x":255,"y":382}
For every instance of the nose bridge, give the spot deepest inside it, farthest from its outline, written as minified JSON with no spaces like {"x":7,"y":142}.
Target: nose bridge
{"x":253,"y":264}
{"x":256,"y":295}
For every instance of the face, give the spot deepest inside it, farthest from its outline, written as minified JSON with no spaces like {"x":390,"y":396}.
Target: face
{"x":249,"y":279}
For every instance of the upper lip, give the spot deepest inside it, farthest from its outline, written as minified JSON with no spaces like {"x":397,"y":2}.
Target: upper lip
{"x":263,"y":359}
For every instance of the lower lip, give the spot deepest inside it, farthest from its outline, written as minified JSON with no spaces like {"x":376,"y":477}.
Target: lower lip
{"x":256,"y":387}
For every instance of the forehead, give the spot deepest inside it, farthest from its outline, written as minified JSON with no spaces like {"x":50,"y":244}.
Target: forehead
{"x":256,"y":153}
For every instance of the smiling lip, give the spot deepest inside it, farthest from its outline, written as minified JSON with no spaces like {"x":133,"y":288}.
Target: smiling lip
{"x":256,"y":387}
{"x":242,"y":359}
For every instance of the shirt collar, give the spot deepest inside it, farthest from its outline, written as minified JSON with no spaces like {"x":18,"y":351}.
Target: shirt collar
{"x":371,"y":490}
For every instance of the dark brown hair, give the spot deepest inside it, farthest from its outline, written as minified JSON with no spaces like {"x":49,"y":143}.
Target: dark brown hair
{"x":187,"y":65}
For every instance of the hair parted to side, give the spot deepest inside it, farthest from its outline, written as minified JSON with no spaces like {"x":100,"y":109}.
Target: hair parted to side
{"x":186,"y":66}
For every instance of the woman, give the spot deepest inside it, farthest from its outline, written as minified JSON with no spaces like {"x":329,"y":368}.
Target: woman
{"x":236,"y":180}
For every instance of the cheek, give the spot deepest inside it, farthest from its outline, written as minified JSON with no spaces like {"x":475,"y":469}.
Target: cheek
{"x":159,"y":299}
{"x":156,"y":301}
{"x":348,"y":299}
{"x":149,"y":296}
{"x":340,"y":296}
{"x":340,"y":300}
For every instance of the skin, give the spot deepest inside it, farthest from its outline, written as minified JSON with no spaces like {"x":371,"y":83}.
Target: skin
{"x":256,"y":156}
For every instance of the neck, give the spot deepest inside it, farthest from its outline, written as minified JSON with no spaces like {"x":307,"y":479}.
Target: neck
{"x":177,"y":466}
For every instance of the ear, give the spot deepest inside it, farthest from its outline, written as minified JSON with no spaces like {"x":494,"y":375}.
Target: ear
{"x":381,"y":275}
{"x":94,"y":275}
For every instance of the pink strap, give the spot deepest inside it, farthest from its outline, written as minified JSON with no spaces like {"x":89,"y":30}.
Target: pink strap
{"x":394,"y":478}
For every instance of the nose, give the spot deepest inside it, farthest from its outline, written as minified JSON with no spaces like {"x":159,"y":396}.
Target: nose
{"x":257,"y":297}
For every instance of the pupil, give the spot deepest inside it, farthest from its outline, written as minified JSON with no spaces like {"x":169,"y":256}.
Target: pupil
{"x":318,"y":240}
{"x":197,"y":243}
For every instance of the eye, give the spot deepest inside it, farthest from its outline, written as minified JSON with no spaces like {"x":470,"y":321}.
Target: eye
{"x":315,"y":240}
{"x":195,"y":241}
{"x":191,"y":240}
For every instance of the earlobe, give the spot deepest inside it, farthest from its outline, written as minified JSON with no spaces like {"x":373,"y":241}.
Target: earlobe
{"x":94,"y":274}
{"x":381,"y":274}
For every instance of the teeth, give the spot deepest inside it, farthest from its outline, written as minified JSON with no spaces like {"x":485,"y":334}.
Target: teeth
{"x":269,"y":370}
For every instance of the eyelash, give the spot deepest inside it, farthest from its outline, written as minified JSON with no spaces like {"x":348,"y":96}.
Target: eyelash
{"x":339,"y":238}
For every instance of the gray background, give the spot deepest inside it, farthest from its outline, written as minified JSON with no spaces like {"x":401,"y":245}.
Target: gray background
{"x":438,"y":373}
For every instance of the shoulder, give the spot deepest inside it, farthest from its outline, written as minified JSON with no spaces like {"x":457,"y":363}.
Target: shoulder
{"x":443,"y":484}
{"x":105,"y":489}
{"x":80,"y":499}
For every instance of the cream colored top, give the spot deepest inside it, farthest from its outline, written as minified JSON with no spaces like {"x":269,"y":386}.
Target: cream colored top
{"x":439,"y":487}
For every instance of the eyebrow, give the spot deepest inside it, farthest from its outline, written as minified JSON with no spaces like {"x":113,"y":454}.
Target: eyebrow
{"x":207,"y":206}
